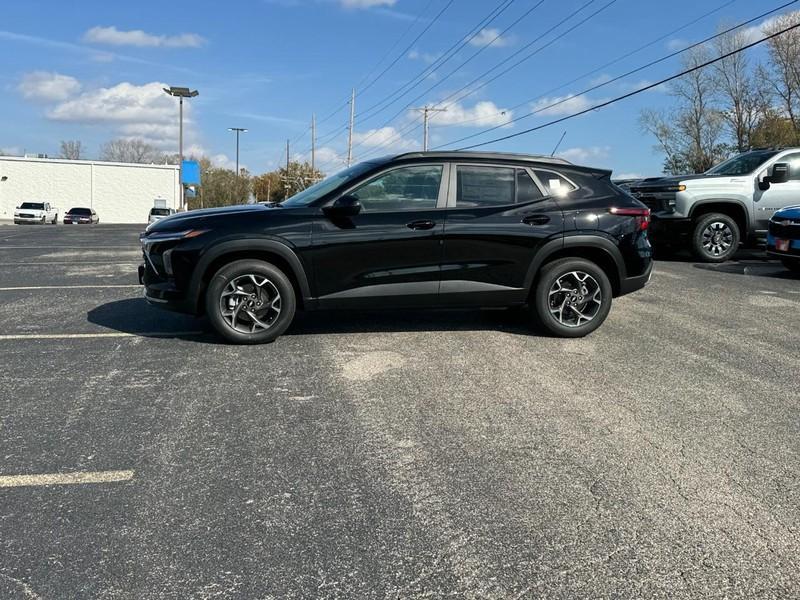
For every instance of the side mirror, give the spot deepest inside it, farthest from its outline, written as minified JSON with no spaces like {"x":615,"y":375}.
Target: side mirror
{"x":780,"y":173}
{"x":346,"y":206}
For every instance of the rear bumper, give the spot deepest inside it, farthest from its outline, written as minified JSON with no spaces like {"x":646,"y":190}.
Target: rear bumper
{"x":632,"y":284}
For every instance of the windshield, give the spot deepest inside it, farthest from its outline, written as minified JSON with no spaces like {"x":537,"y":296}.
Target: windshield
{"x":743,"y":164}
{"x":318,"y":190}
{"x":33,"y":205}
{"x":160,"y":212}
{"x":80,"y":211}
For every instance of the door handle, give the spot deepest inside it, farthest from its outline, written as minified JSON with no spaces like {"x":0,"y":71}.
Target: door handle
{"x":421,"y":225}
{"x":536,"y":220}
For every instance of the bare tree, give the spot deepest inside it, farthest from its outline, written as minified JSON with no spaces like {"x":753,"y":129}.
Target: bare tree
{"x":131,"y":151}
{"x":71,"y":149}
{"x":783,"y":72}
{"x":736,"y":88}
{"x":691,"y":135}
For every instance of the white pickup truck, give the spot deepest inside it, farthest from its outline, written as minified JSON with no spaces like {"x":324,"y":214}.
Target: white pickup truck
{"x":35,"y":212}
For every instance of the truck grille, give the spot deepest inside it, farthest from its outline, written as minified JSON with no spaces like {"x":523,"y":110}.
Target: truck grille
{"x":654,"y":204}
{"x":26,"y":216}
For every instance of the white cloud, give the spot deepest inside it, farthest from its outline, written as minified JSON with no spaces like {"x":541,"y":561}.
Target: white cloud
{"x":625,"y":175}
{"x":582,"y":155}
{"x":43,"y":85}
{"x":677,"y":44}
{"x":562,"y":105}
{"x":490,"y":36}
{"x":385,"y":137}
{"x":483,"y":114}
{"x":136,"y":37}
{"x":140,"y":111}
{"x":423,"y":56}
{"x":366,"y":3}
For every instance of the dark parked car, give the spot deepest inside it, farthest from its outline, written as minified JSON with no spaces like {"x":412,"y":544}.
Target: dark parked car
{"x":783,"y":239}
{"x":433,"y":229}
{"x":81,"y":216}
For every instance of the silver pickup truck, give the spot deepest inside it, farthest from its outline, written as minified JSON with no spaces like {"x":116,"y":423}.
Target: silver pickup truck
{"x":713,"y":212}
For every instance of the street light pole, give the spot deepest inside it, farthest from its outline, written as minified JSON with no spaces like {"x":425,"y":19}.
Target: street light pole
{"x":181,"y":93}
{"x":238,"y":130}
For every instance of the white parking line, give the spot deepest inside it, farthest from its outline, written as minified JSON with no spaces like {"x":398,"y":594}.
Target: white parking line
{"x":65,"y":287}
{"x":65,"y":478}
{"x":74,"y":336}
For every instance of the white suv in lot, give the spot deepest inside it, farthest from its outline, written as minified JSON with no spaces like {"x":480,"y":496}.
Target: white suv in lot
{"x":713,"y":212}
{"x":35,"y":212}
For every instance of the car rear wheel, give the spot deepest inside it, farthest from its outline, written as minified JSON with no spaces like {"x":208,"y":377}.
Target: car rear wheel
{"x":715,"y":238}
{"x":572,"y":298}
{"x":793,"y":264}
{"x":250,"y":302}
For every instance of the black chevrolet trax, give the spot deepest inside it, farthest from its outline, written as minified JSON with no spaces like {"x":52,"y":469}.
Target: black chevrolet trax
{"x":424,"y":229}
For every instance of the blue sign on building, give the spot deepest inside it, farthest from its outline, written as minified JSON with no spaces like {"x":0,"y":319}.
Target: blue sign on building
{"x":190,"y":172}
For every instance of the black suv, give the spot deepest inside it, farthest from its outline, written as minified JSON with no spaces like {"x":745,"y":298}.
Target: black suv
{"x":424,"y":229}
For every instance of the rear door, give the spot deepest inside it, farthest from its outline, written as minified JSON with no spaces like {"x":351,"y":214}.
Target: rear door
{"x":779,"y":195}
{"x":389,"y":254}
{"x":497,"y":218}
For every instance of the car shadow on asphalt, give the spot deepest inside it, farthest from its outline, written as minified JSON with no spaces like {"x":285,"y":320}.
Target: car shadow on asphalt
{"x":747,"y":261}
{"x":136,"y":317}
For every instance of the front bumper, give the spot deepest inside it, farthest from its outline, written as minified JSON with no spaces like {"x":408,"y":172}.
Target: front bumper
{"x":163,"y":294}
{"x":20,"y":220}
{"x":669,"y":231}
{"x":792,"y":252}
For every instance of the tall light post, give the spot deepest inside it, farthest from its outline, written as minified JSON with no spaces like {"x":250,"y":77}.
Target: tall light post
{"x":238,"y":130}
{"x":181,"y":93}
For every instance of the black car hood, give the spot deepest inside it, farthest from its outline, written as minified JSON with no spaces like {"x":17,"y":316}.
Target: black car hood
{"x":196,"y":218}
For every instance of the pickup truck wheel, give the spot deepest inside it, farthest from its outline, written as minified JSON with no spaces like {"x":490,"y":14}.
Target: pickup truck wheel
{"x":715,"y":238}
{"x":572,"y":298}
{"x":250,"y":302}
{"x":793,"y":264}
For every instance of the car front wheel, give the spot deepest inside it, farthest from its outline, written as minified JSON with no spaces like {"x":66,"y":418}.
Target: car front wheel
{"x":572,"y":298}
{"x":250,"y":302}
{"x":715,"y":238}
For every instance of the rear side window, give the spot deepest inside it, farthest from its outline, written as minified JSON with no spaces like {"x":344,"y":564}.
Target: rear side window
{"x":160,"y":212}
{"x":485,"y":186}
{"x":554,"y":183}
{"x":527,"y":190}
{"x":80,"y":211}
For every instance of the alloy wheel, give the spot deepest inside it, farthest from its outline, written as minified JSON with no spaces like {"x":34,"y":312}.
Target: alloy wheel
{"x":575,"y":298}
{"x":250,"y":303}
{"x":717,"y":238}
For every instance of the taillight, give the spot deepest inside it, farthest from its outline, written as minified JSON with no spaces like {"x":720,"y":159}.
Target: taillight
{"x":642,"y":216}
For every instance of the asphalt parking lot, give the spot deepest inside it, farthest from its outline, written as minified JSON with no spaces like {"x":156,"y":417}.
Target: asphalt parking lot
{"x":404,"y":455}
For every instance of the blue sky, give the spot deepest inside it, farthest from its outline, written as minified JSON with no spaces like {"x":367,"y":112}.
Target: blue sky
{"x":93,"y":71}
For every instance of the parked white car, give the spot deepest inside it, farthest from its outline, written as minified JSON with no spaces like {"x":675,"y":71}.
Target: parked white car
{"x":35,"y":212}
{"x":156,"y":214}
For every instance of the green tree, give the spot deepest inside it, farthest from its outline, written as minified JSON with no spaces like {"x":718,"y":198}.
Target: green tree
{"x":268,"y":187}
{"x":221,"y":187}
{"x":296,"y":178}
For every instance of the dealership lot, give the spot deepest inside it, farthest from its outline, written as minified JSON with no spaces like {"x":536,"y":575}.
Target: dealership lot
{"x":394,"y":454}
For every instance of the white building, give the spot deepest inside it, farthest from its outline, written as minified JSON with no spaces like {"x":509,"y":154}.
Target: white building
{"x":118,"y":192}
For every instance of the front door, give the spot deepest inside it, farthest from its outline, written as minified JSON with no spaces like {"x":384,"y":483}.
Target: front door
{"x":779,"y":195}
{"x":389,"y":254}
{"x":497,"y":219}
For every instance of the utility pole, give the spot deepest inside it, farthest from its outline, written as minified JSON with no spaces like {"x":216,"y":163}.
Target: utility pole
{"x":287,"y":170}
{"x":426,"y":110}
{"x":313,"y":142}
{"x":238,"y":130}
{"x":352,"y":123}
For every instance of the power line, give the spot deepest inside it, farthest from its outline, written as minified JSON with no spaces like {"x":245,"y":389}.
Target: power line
{"x":614,"y":79}
{"x":550,"y":30}
{"x":606,"y":65}
{"x":635,"y":92}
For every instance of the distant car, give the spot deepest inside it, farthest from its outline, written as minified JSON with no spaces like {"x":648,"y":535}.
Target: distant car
{"x":81,"y":216}
{"x":156,"y":214}
{"x":35,"y":212}
{"x":783,"y":239}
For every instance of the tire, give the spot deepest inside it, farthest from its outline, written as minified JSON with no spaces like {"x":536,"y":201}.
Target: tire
{"x":255,"y":281}
{"x":594,"y":300}
{"x":715,"y":238}
{"x":793,"y":264}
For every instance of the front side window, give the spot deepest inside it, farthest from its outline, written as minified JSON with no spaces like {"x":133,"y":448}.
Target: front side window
{"x":480,"y":186}
{"x":405,"y":188}
{"x":554,"y":184}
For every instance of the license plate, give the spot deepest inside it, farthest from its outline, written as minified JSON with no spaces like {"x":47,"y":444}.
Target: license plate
{"x":782,"y":245}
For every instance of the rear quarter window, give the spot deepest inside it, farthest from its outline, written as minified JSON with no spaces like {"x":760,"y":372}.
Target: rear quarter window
{"x":554,"y":183}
